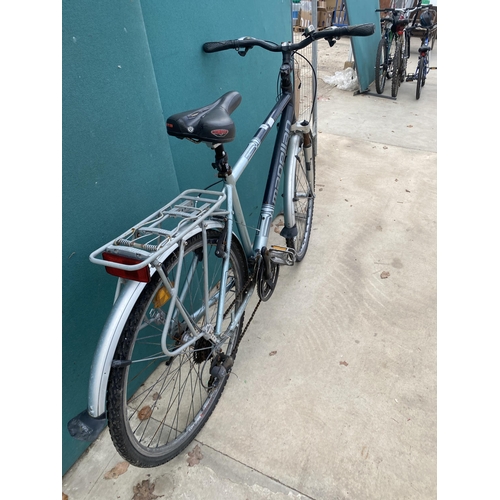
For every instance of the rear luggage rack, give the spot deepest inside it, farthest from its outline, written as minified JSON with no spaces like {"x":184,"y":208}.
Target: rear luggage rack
{"x":151,"y":237}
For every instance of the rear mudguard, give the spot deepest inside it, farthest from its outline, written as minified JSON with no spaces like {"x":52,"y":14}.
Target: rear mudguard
{"x":103,"y":357}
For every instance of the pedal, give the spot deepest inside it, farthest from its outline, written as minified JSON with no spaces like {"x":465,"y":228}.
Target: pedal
{"x":410,"y":78}
{"x":282,"y":256}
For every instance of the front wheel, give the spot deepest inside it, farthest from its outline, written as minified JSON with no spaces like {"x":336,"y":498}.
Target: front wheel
{"x":156,"y":405}
{"x":381,"y":66}
{"x":420,"y":75}
{"x":397,"y":69}
{"x":426,"y":69}
{"x":303,"y":172}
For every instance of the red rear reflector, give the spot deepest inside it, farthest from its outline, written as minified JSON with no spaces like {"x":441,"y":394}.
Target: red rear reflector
{"x":139,"y":275}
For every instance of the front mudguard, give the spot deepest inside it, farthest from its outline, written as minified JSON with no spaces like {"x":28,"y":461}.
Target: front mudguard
{"x":290,"y":228}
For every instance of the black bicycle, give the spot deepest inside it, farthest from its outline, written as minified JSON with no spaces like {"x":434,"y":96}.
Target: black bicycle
{"x":385,"y":52}
{"x":426,"y":29}
{"x":394,"y":55}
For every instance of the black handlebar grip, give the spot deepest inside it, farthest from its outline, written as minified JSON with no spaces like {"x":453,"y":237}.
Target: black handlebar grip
{"x":218,"y":46}
{"x":354,"y":30}
{"x":361,"y":29}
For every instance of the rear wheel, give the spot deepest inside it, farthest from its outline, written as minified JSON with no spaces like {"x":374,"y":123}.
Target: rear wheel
{"x":397,"y":68}
{"x":381,"y":66}
{"x":156,"y":404}
{"x":303,"y":199}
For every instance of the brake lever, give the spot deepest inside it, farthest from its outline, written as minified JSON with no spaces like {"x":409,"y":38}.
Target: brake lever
{"x":243,"y":52}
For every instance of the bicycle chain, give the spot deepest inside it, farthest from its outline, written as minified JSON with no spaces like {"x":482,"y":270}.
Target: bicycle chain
{"x":242,"y":291}
{"x":250,"y":320}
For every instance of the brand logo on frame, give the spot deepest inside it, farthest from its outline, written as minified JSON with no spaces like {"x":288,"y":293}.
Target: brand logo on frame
{"x":282,"y":157}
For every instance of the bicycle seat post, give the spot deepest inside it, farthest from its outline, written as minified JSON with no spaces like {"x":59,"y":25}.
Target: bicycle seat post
{"x":221,"y":164}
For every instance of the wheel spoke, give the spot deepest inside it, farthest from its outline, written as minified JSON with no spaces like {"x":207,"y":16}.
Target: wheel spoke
{"x":303,"y":201}
{"x":169,"y":398}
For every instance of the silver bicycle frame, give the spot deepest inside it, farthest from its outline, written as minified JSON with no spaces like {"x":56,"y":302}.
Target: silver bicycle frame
{"x":128,"y":293}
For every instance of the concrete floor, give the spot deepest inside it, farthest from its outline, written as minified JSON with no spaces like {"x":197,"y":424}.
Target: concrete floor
{"x":346,"y":407}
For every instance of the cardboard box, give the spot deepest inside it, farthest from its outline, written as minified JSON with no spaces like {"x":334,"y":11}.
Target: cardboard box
{"x":332,"y":4}
{"x":338,"y":10}
{"x":324,"y":18}
{"x":305,"y":19}
{"x":321,"y":4}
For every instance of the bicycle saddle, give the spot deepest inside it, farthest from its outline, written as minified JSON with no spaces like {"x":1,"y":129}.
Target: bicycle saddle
{"x":210,"y":123}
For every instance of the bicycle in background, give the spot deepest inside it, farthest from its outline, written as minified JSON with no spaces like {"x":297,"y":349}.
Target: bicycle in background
{"x":385,"y":52}
{"x":394,"y":55}
{"x":428,"y":27}
{"x":187,"y":272}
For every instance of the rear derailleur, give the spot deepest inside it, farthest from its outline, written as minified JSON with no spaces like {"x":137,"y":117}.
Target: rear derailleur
{"x":219,"y":368}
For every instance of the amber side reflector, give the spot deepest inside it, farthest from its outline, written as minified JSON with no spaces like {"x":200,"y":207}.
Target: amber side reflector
{"x":139,"y":275}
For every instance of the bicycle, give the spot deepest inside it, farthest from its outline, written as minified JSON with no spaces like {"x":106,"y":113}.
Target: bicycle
{"x":385,"y":53}
{"x":185,"y":276}
{"x":423,"y":64}
{"x":401,"y":41}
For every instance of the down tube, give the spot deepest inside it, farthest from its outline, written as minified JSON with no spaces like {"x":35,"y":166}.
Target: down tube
{"x":274,"y":177}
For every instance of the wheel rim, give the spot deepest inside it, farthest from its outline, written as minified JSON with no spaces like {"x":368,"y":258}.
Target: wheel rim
{"x":168,"y":402}
{"x":303,"y":202}
{"x":420,"y":77}
{"x":381,"y":67}
{"x":383,"y":70}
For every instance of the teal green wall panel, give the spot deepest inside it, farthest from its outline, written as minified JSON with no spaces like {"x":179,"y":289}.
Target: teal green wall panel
{"x":188,"y":78}
{"x":126,"y":67}
{"x":117,"y":168}
{"x":364,"y":47}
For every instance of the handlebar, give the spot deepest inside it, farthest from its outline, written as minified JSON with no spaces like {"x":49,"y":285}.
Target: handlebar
{"x":328,"y":33}
{"x":407,"y":10}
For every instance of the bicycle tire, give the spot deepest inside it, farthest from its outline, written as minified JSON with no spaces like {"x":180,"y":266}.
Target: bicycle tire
{"x":420,"y":76}
{"x":426,"y":69}
{"x":303,"y":201}
{"x":397,"y":61}
{"x":407,"y":50}
{"x":155,"y":408}
{"x":381,"y":66}
{"x":390,"y":57}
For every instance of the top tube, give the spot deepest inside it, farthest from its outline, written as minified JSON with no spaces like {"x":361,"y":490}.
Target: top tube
{"x":328,"y":33}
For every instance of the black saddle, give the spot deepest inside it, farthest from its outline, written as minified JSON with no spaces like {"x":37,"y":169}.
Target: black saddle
{"x":210,"y":123}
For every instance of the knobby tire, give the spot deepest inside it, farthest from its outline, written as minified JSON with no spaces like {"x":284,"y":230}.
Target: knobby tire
{"x":397,"y":68}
